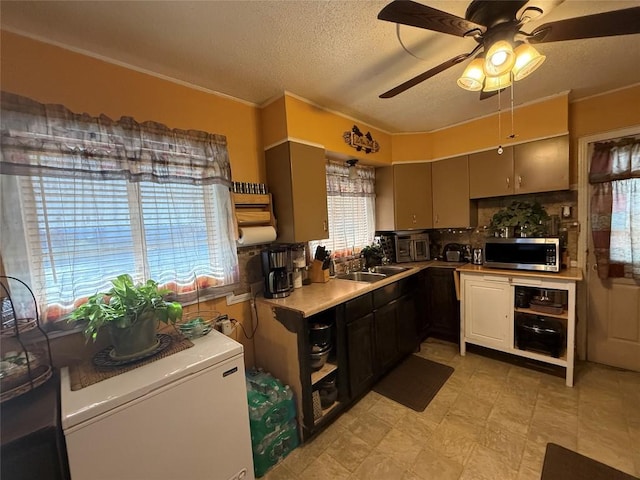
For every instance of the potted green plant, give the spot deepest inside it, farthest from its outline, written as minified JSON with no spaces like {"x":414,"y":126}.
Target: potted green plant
{"x":526,"y":218}
{"x":130,"y":313}
{"x":372,"y":254}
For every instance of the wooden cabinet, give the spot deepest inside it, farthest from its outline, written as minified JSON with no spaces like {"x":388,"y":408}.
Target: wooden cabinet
{"x":540,"y":166}
{"x":487,"y":308}
{"x":359,"y":333}
{"x":403,"y":197}
{"x":296,"y":177}
{"x":491,"y":173}
{"x":489,"y":313}
{"x":386,"y":340}
{"x":443,"y":309}
{"x":450,"y":187}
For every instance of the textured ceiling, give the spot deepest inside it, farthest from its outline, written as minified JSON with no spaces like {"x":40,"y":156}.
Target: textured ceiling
{"x":334,"y":53}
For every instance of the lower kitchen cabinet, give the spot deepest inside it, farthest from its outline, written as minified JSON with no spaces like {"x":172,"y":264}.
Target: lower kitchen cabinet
{"x":359,"y":333}
{"x":499,"y":311}
{"x":371,"y":334}
{"x":386,"y":335}
{"x":443,"y":309}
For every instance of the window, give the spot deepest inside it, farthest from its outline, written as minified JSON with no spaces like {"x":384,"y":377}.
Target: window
{"x":625,"y":219}
{"x":351,"y":209}
{"x":87,"y":199}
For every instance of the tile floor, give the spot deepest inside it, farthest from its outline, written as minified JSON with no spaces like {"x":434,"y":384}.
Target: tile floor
{"x":491,"y":420}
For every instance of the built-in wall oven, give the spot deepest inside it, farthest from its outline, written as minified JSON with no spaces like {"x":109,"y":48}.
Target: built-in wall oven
{"x":411,"y":247}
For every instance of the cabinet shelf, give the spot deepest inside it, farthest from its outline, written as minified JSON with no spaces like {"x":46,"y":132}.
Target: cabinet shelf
{"x":325,"y":412}
{"x":327,"y":369}
{"x":560,"y":361}
{"x":564,"y":315}
{"x":253,"y":209}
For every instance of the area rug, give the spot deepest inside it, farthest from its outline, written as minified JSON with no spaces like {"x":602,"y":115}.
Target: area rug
{"x":563,"y":464}
{"x":414,"y":382}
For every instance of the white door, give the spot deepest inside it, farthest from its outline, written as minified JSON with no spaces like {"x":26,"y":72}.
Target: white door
{"x":613,"y":313}
{"x":487,"y":309}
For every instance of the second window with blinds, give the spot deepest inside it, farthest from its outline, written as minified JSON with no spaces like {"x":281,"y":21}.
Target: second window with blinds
{"x":351,"y":208}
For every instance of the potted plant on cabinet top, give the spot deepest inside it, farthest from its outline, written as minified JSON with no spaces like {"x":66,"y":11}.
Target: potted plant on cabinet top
{"x":528,"y":219}
{"x":130,"y":313}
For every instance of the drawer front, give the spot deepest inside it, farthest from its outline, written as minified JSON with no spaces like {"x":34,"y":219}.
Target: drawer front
{"x":359,"y":307}
{"x":384,"y":295}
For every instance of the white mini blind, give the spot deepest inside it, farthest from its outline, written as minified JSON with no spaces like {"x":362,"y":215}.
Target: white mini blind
{"x":351,"y":209}
{"x":83,"y":233}
{"x":78,"y":233}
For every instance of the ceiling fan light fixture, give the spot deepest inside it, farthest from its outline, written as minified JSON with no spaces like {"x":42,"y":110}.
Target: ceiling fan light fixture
{"x":473,"y":76}
{"x":528,"y":59}
{"x":491,"y":84}
{"x":500,"y":59}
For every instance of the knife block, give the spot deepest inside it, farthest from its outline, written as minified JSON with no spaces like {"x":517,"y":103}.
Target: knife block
{"x":317,"y":274}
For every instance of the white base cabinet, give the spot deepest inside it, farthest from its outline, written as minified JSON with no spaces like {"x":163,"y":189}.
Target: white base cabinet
{"x":488,"y":313}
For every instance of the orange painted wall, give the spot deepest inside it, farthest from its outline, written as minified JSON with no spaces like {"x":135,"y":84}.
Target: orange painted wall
{"x":273,"y":119}
{"x":50,"y":74}
{"x":543,"y":119}
{"x":306,"y":121}
{"x":600,"y":114}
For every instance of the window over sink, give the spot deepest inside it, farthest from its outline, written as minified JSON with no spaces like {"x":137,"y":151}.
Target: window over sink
{"x":351,"y":208}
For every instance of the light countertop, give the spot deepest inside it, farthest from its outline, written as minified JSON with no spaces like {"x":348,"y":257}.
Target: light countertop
{"x":573,"y":273}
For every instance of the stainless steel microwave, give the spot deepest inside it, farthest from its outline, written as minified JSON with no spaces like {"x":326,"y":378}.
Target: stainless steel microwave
{"x":541,"y":254}
{"x":411,"y":247}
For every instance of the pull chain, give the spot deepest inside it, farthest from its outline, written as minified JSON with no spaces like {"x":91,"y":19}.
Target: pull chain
{"x":513,"y":133}
{"x":500,"y":149}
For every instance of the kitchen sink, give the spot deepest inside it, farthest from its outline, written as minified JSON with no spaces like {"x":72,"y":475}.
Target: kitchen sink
{"x":362,"y":276}
{"x":389,"y":270}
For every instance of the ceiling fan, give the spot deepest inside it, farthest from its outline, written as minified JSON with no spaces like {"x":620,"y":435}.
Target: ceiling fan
{"x":504,"y":52}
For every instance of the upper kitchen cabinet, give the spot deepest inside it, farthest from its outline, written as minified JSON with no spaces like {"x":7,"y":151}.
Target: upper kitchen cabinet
{"x":450,"y":187}
{"x":403,"y":197}
{"x":540,"y":166}
{"x":296,"y":176}
{"x":491,"y":173}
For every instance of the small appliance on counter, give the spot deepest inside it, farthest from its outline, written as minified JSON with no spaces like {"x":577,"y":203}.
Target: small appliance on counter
{"x":411,"y":247}
{"x":277,"y":272}
{"x":456,"y":252}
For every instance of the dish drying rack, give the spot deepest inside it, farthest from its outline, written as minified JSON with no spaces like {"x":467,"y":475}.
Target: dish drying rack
{"x":26,"y":361}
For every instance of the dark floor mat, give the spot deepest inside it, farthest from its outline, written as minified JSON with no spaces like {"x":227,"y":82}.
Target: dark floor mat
{"x":414,"y":382}
{"x":563,"y":464}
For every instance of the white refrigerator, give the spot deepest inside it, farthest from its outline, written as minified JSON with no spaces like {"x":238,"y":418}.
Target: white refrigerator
{"x":184,"y":416}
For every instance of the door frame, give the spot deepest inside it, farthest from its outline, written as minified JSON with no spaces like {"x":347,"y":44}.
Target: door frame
{"x":583,"y":219}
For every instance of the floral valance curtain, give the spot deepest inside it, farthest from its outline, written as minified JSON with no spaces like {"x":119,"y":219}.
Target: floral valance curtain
{"x":338,"y":182}
{"x":51,"y":140}
{"x":615,"y":207}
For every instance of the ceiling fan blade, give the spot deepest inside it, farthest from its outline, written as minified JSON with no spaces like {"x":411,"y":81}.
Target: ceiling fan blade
{"x":606,"y":24}
{"x":428,"y":74}
{"x":415,"y":14}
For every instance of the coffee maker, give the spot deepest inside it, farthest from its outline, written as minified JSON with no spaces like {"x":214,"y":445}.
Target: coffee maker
{"x":276,"y":269}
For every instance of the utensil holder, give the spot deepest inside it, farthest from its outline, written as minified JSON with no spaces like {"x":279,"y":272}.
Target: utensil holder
{"x":318,"y":275}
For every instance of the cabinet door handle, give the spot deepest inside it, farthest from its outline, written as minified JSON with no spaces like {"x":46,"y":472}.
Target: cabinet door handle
{"x":324,"y":225}
{"x":519,"y":181}
{"x":437,"y":218}
{"x":508,"y":182}
{"x":414,"y":218}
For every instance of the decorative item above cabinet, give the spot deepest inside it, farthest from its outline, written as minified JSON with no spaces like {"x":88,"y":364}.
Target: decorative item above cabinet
{"x":296,"y":176}
{"x":533,"y":167}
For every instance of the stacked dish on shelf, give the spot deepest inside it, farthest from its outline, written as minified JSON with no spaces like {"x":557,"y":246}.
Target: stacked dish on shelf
{"x":320,"y":339}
